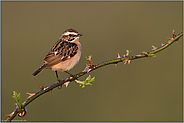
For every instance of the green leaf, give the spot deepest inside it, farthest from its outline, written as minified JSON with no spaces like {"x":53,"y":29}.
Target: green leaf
{"x":89,"y":58}
{"x":127,"y":52}
{"x":88,"y":78}
{"x":17,"y":98}
{"x":151,"y":55}
{"x":88,"y":81}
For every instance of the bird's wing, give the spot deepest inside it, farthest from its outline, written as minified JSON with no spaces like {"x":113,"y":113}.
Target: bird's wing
{"x":61,"y":51}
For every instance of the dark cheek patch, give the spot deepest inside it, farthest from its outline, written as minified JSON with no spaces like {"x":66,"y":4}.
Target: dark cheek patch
{"x":71,"y":39}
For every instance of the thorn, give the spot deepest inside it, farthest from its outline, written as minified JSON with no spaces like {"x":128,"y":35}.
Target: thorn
{"x":119,"y":56}
{"x":87,"y":68}
{"x":170,"y":39}
{"x":41,"y":87}
{"x":50,"y":91}
{"x":30,"y":95}
{"x":154,"y":48}
{"x":66,"y":83}
{"x":9,"y":115}
{"x":127,"y":60}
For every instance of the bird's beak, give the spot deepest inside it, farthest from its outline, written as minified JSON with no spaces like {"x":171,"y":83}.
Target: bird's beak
{"x":80,"y":34}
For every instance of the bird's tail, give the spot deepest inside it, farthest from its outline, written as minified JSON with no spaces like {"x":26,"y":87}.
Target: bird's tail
{"x":39,"y":70}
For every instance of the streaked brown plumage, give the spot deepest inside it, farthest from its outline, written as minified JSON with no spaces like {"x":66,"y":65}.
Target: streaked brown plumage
{"x":65,"y":54}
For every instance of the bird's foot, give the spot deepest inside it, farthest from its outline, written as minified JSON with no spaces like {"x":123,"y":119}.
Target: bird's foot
{"x":59,"y":86}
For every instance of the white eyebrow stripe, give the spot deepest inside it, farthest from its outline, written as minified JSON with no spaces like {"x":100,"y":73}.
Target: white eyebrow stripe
{"x":73,"y":33}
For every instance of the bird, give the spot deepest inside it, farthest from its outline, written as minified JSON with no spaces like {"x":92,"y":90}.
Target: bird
{"x":64,"y":55}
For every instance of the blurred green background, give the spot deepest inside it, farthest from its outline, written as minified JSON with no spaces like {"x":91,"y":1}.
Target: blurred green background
{"x":148,"y":89}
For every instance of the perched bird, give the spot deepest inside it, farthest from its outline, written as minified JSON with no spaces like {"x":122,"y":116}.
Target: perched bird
{"x":64,"y":55}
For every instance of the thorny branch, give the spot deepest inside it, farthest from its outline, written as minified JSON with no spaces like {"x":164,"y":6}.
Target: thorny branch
{"x":90,"y":67}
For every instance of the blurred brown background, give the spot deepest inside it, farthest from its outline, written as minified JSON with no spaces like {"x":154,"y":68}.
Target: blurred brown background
{"x":148,"y":89}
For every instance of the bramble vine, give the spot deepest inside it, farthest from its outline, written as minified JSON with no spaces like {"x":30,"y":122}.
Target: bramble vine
{"x":21,"y":110}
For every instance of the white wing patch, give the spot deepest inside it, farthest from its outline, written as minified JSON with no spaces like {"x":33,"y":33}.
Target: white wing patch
{"x":55,"y":52}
